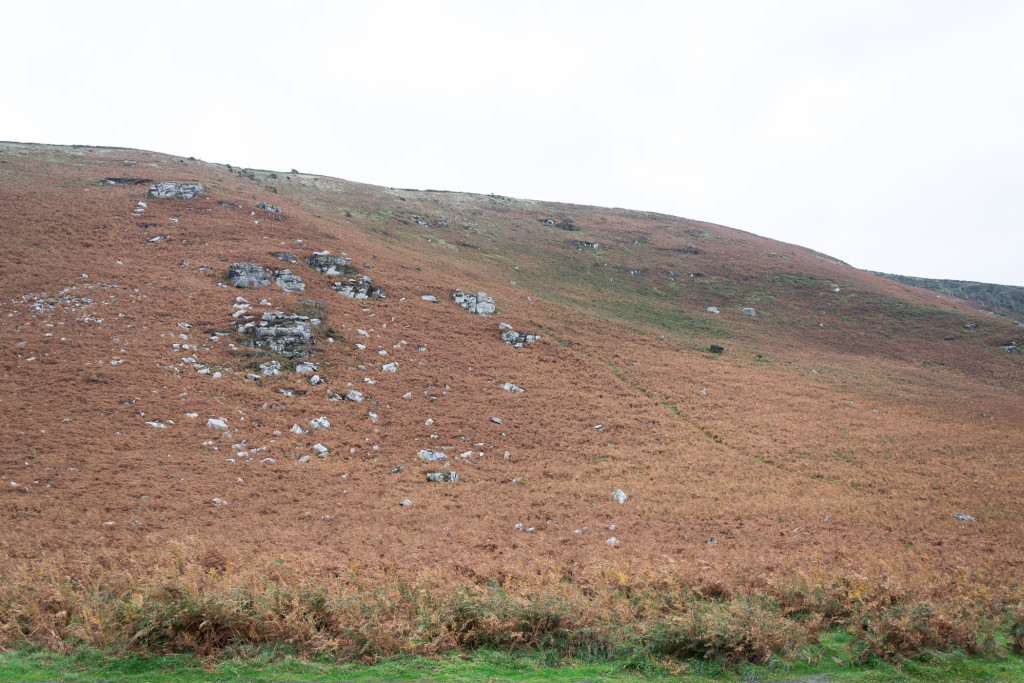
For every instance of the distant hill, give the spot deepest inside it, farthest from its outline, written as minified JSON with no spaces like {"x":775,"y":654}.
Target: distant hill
{"x":1001,"y":299}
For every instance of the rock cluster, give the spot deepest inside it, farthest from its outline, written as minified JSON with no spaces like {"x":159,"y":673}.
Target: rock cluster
{"x":268,"y":207}
{"x":478,"y":303}
{"x":166,"y":190}
{"x":518,"y":339}
{"x":363,"y":288}
{"x":330,"y":265}
{"x":286,"y":333}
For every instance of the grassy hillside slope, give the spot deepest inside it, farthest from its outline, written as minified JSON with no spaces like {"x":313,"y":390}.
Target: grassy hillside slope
{"x":826,"y":448}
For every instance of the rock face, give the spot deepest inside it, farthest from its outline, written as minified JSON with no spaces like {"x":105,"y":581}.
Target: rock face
{"x":166,"y":190}
{"x":247,"y":275}
{"x":478,"y":303}
{"x":518,"y":339}
{"x":288,"y":281}
{"x":330,"y":265}
{"x":268,"y":207}
{"x":286,"y":256}
{"x":359,"y":289}
{"x":285,"y":333}
{"x":447,"y":477}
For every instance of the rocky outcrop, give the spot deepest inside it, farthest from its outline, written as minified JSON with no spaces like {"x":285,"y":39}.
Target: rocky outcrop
{"x":446,"y":477}
{"x":167,"y":190}
{"x":329,"y":265}
{"x":288,"y":281}
{"x":478,"y":303}
{"x":362,"y":288}
{"x":247,"y":275}
{"x":268,"y":207}
{"x":286,"y":256}
{"x":286,"y":333}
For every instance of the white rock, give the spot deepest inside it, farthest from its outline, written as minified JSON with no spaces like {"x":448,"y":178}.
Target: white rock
{"x":354,"y":396}
{"x":389,"y":367}
{"x":216,"y":423}
{"x":429,"y":297}
{"x":321,"y":450}
{"x":320,"y":423}
{"x":612,"y":541}
{"x":296,"y":429}
{"x":713,"y":309}
{"x":620,"y":496}
{"x":432,"y":456}
{"x":315,"y":380}
{"x":363,"y":333}
{"x":508,"y":386}
{"x":405,"y":503}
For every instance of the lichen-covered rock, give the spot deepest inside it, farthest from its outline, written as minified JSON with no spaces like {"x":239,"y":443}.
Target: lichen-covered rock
{"x":286,"y":256}
{"x":518,"y":339}
{"x":360,"y":289}
{"x":166,"y":190}
{"x":354,"y":396}
{"x":512,"y":388}
{"x":330,"y":265}
{"x":286,"y":333}
{"x":749,"y":311}
{"x":443,"y":477}
{"x":478,"y":303}
{"x":246,"y":275}
{"x":288,"y":281}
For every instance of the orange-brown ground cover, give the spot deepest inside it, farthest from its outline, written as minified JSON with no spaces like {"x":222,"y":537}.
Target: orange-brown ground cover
{"x":836,"y":436}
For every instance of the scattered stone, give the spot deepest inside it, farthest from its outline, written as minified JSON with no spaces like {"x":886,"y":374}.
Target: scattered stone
{"x":306,"y":367}
{"x":296,"y":429}
{"x":320,"y":423}
{"x":612,"y":541}
{"x":971,"y":326}
{"x":354,"y":396}
{"x":749,"y":311}
{"x":583,"y":244}
{"x":432,"y":456}
{"x":268,"y":207}
{"x":360,"y":289}
{"x":496,"y":420}
{"x":250,"y":376}
{"x":518,"y":339}
{"x":508,"y":386}
{"x":329,"y":265}
{"x":961,"y":517}
{"x":406,"y":503}
{"x":478,"y":303}
{"x":285,"y":256}
{"x":620,"y":496}
{"x":286,"y":333}
{"x":321,"y":450}
{"x":158,"y":425}
{"x":316,"y":380}
{"x":389,"y":367}
{"x":713,"y":309}
{"x":429,"y":297}
{"x":288,"y":281}
{"x":165,"y":190}
{"x":247,"y":275}
{"x":217,"y":423}
{"x":219,"y":501}
{"x":444,"y":477}
{"x":157,"y":238}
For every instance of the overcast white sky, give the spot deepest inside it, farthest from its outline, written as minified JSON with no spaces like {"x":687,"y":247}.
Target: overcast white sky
{"x":888,"y":134}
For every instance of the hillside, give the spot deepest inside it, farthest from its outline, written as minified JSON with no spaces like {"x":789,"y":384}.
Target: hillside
{"x":838,"y":432}
{"x":1001,"y":299}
